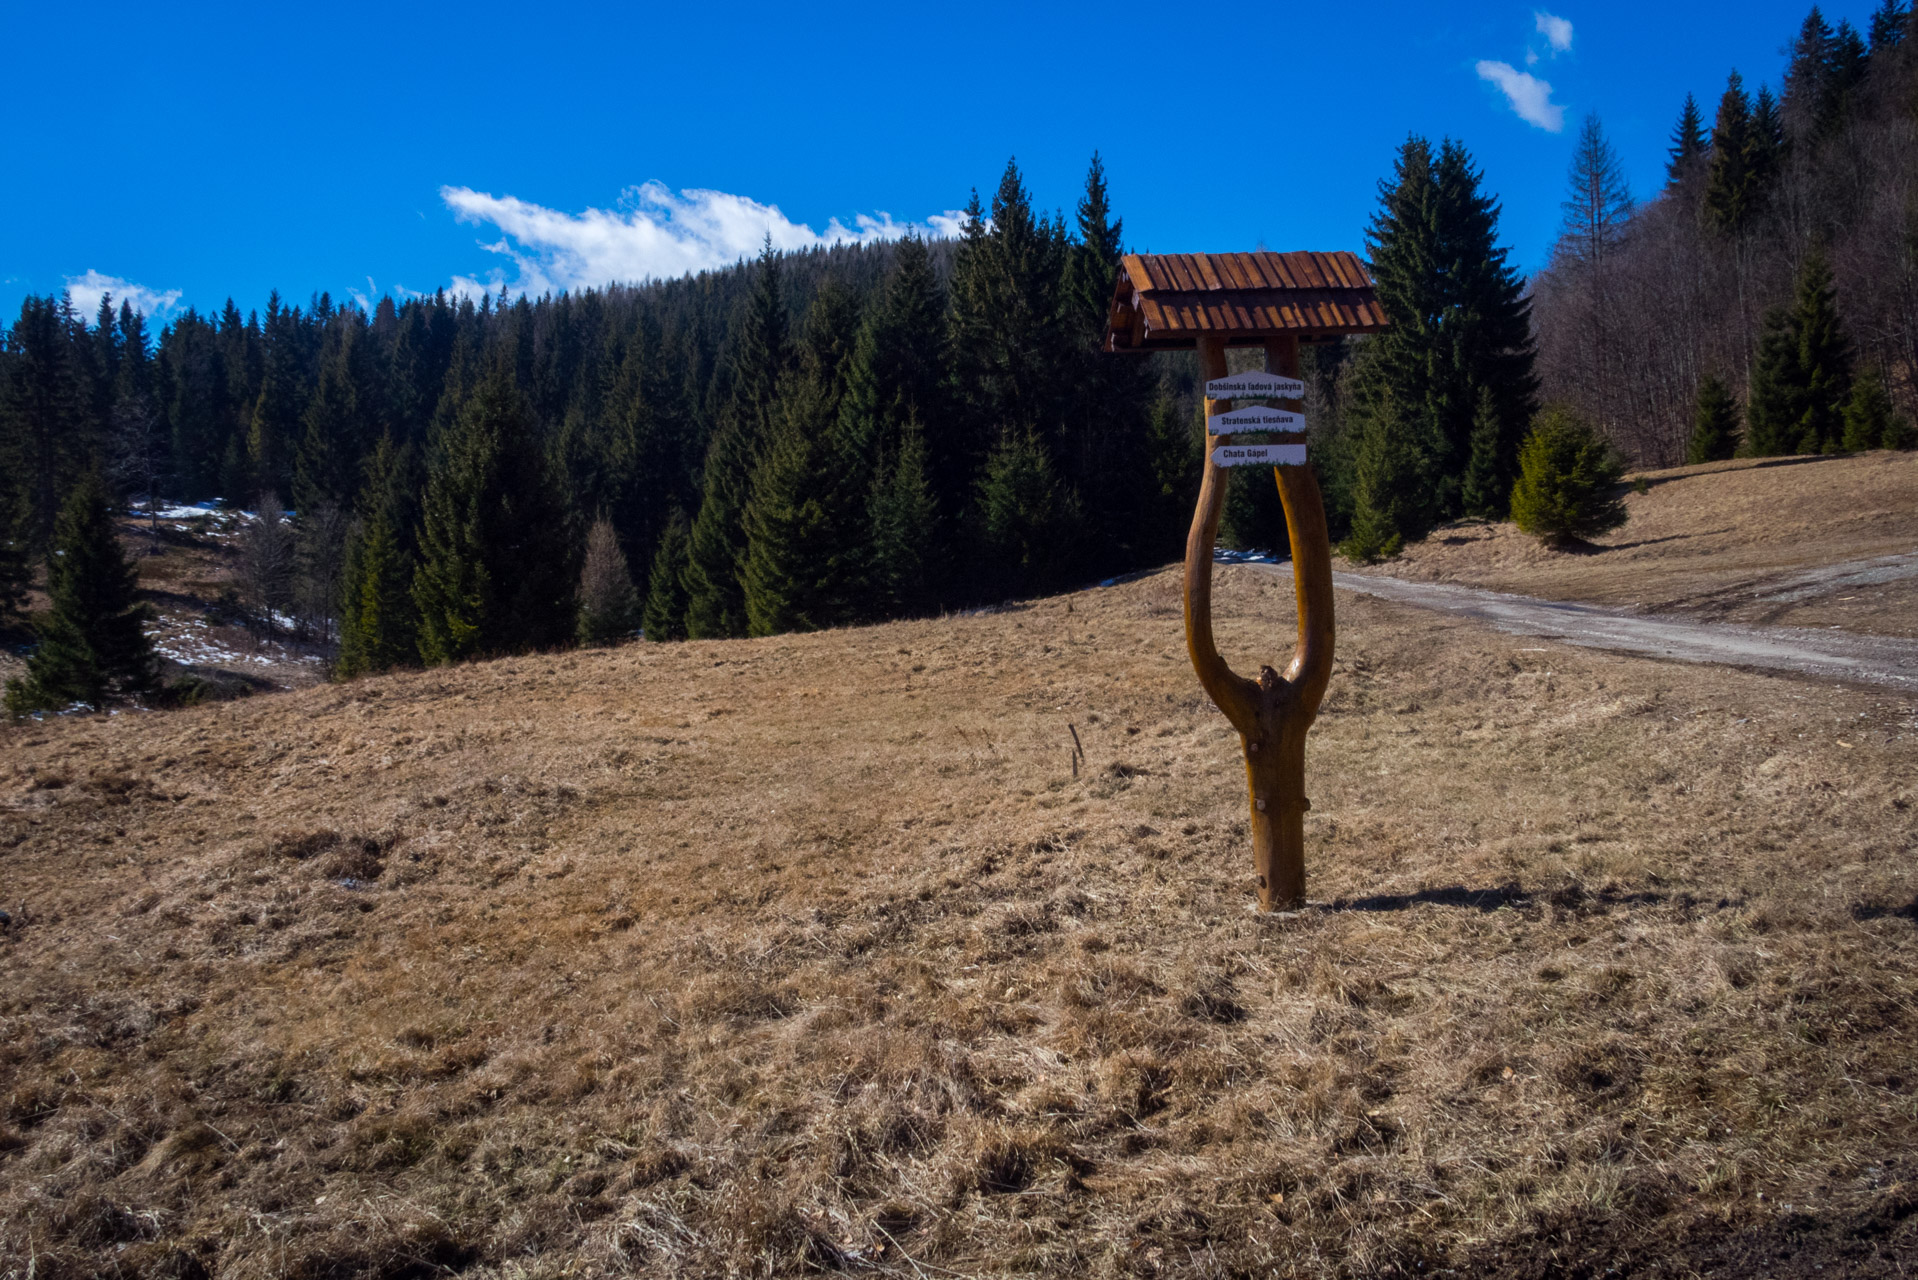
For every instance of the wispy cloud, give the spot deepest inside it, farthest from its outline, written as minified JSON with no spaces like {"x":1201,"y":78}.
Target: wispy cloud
{"x":1557,"y":31}
{"x":1529,"y":96}
{"x":652,"y":234}
{"x":87,"y":290}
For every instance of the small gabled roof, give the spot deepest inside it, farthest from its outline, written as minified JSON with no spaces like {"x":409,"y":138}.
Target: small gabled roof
{"x":1165,"y":301}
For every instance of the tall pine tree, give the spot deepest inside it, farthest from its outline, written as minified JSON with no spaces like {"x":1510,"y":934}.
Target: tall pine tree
{"x":1685,"y":158}
{"x":761,"y":356}
{"x":46,"y":431}
{"x":664,"y":617}
{"x":379,"y":622}
{"x":1460,"y":324}
{"x":496,"y":564}
{"x":93,"y":644}
{"x":1730,"y":192}
{"x":905,"y":530}
{"x":1803,"y":375}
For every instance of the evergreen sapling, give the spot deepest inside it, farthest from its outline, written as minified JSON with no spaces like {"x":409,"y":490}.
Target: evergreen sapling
{"x":93,"y":644}
{"x":1568,"y":474}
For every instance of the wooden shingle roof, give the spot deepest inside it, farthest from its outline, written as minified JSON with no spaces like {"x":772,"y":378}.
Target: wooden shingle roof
{"x":1164,"y":301}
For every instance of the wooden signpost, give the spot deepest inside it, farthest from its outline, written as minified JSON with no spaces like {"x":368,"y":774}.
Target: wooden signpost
{"x":1272,"y":301}
{"x":1268,"y":455}
{"x":1257,"y":419}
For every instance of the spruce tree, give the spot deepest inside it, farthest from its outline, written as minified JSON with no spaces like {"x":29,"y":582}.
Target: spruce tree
{"x":1486,"y":491}
{"x":1824,"y":357}
{"x":664,"y":617}
{"x":495,"y":573}
{"x":1008,"y":330}
{"x":762,"y":352}
{"x":1714,"y":423}
{"x":1729,"y":192}
{"x":1092,"y":264}
{"x":1868,"y":415}
{"x":16,"y":560}
{"x":1808,"y":73}
{"x":1027,"y":518}
{"x":761,"y":357}
{"x":44,"y":420}
{"x":1686,"y":156}
{"x":1768,"y":144}
{"x":1391,"y":494}
{"x":716,"y":603}
{"x":336,"y":422}
{"x":609,"y":608}
{"x":896,"y":376}
{"x":1802,"y":377}
{"x":379,"y":625}
{"x":1776,"y":399}
{"x":1460,"y":322}
{"x":789,"y":536}
{"x":905,"y":523}
{"x":274,"y":426}
{"x":93,"y":644}
{"x":1568,"y":474}
{"x":1889,"y":24}
{"x":379,"y":622}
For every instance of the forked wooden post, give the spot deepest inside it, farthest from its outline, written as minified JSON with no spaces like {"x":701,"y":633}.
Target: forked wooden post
{"x":1273,"y":712}
{"x":1171,"y":302}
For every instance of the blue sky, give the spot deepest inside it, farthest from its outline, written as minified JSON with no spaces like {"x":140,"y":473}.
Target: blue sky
{"x":226,"y":151}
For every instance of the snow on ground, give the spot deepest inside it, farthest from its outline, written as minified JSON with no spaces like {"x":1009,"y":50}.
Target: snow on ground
{"x":196,"y":642}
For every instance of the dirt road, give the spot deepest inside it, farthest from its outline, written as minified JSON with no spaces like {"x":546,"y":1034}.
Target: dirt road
{"x":1883,"y":660}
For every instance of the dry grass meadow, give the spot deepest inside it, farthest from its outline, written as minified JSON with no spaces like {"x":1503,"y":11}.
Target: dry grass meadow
{"x":812,"y":954}
{"x":1731,"y":541}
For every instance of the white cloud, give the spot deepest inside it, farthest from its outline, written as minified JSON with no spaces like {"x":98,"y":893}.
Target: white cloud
{"x":1555,"y":29}
{"x":653,"y":234}
{"x":1530,"y":97}
{"x":87,"y":290}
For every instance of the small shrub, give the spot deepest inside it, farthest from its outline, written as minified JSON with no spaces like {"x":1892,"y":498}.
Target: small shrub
{"x":1567,"y":476}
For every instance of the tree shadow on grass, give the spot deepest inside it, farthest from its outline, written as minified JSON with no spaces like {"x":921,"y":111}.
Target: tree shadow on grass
{"x":1579,"y":547}
{"x":1880,"y":911}
{"x":1568,"y":898}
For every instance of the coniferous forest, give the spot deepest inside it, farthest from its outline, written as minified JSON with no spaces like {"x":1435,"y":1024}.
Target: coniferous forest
{"x":849,"y":434}
{"x":1765,"y":299}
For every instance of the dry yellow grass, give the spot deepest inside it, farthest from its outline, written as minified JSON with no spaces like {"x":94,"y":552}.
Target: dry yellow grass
{"x":811,"y":953}
{"x":1712,"y":540}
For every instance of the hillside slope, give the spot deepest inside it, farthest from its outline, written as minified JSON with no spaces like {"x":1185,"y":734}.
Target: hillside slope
{"x":1743,"y":541}
{"x":813,"y":953}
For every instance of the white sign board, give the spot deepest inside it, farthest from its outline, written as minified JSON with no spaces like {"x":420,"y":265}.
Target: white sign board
{"x":1255,"y":386}
{"x":1254,"y":419}
{"x":1252,"y":455}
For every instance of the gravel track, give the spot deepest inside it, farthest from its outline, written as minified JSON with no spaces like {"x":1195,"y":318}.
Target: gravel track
{"x":1829,"y":654}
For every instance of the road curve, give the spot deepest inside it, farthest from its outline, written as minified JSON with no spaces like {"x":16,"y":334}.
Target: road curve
{"x":1881,"y":660}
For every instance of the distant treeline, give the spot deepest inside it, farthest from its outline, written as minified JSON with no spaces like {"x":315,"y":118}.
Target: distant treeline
{"x":803,"y":441}
{"x":808,"y":440}
{"x":1766,"y":299}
